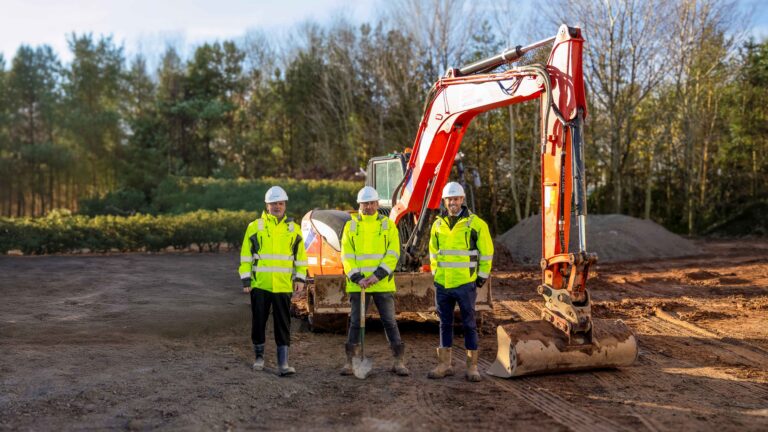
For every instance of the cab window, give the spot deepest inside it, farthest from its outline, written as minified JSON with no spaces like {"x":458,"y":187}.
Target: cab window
{"x":388,"y":174}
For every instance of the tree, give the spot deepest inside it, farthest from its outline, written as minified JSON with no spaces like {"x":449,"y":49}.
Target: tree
{"x":33,"y":99}
{"x":92,"y":92}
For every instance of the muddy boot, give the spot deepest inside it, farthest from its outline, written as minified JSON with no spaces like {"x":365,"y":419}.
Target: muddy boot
{"x":352,"y":350}
{"x":473,"y":374}
{"x":259,"y":363}
{"x":444,"y":367}
{"x":282,"y":361}
{"x":398,"y":366}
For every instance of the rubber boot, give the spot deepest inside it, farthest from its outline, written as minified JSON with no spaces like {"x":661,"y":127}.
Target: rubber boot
{"x":282,"y":361}
{"x":473,"y":374}
{"x":352,"y":350}
{"x":444,"y":367}
{"x":259,"y":351}
{"x":398,"y":367}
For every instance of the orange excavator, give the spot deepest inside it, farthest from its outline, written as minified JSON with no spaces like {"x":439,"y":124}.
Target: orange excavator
{"x":567,"y":337}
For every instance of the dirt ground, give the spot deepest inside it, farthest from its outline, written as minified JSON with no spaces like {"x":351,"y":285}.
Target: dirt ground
{"x":139,"y":342}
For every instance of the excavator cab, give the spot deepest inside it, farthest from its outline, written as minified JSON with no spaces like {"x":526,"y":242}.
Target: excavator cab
{"x":384,"y":174}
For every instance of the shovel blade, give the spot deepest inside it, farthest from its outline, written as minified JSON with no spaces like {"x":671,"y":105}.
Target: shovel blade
{"x":361,"y":367}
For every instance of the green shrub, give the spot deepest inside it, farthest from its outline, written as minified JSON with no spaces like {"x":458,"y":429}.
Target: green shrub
{"x":62,"y":232}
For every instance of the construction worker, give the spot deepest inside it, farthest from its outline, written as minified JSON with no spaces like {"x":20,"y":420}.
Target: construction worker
{"x":460,"y":255}
{"x":370,"y":249}
{"x":273,"y":263}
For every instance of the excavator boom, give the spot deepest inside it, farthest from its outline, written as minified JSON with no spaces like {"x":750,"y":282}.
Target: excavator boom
{"x":567,"y":338}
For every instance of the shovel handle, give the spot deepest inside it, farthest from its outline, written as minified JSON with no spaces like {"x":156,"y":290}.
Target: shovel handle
{"x":362,"y":323}
{"x":362,"y":307}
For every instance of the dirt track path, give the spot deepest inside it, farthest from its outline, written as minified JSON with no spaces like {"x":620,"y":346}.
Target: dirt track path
{"x":138,"y":342}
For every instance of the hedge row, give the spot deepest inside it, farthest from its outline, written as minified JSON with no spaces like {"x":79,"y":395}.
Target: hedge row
{"x":62,"y":232}
{"x":177,"y":195}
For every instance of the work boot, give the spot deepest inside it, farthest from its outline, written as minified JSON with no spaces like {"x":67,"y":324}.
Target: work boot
{"x":282,"y":361}
{"x":473,"y":374}
{"x":352,"y":350}
{"x":398,"y":366}
{"x":259,"y":363}
{"x":444,"y":367}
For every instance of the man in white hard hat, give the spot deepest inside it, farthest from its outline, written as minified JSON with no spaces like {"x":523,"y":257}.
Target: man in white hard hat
{"x":370,"y":249}
{"x":460,"y":255}
{"x":273,"y":263}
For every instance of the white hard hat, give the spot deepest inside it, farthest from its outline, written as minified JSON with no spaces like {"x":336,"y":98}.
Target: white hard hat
{"x":453,"y":189}
{"x":367,"y":194}
{"x":275,"y":194}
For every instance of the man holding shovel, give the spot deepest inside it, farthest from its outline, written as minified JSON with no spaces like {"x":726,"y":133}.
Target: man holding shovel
{"x":370,"y":249}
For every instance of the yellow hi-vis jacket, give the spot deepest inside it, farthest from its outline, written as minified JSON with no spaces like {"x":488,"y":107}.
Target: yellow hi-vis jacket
{"x":461,"y":254}
{"x":272,"y":255}
{"x":370,"y":245}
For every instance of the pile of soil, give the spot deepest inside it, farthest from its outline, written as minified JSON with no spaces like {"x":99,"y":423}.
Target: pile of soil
{"x":613,"y":237}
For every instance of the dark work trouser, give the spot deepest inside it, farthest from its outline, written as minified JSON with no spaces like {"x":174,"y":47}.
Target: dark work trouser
{"x":385,"y":304}
{"x":280,"y":304}
{"x":446,"y":300}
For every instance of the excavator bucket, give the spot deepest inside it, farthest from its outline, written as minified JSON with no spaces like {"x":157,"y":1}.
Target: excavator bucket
{"x":537,"y":347}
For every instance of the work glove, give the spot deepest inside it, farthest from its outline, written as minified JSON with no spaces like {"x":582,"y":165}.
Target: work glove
{"x":298,"y":286}
{"x":246,"y":289}
{"x":480,"y":282}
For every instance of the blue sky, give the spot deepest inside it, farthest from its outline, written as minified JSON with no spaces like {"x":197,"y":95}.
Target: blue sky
{"x":150,"y":25}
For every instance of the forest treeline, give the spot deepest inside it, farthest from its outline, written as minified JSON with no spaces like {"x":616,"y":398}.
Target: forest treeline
{"x":678,"y":109}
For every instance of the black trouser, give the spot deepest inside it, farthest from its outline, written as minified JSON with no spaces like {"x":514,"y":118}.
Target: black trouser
{"x":280,"y":303}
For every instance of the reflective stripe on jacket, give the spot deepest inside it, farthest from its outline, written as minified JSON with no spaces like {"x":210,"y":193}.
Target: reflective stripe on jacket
{"x":370,"y":244}
{"x":461,"y":254}
{"x":272,"y":255}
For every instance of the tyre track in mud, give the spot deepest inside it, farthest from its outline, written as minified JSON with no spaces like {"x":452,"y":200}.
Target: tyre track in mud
{"x":426,"y":406}
{"x":529,"y":312}
{"x":745,"y":350}
{"x":735,"y":347}
{"x":575,"y":418}
{"x":637,"y":379}
{"x":664,"y":328}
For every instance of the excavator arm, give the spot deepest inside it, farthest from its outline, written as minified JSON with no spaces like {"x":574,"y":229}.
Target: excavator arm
{"x":463,"y":94}
{"x":451,"y":105}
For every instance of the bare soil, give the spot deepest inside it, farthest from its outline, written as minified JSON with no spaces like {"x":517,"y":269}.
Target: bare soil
{"x":142,"y":342}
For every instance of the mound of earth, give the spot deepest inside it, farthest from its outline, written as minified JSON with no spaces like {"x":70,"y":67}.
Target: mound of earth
{"x":613,"y":237}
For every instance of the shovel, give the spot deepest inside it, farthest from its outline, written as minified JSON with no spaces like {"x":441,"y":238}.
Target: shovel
{"x":362,"y":366}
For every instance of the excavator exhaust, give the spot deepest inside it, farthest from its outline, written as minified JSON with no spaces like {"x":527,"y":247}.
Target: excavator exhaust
{"x":537,"y":347}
